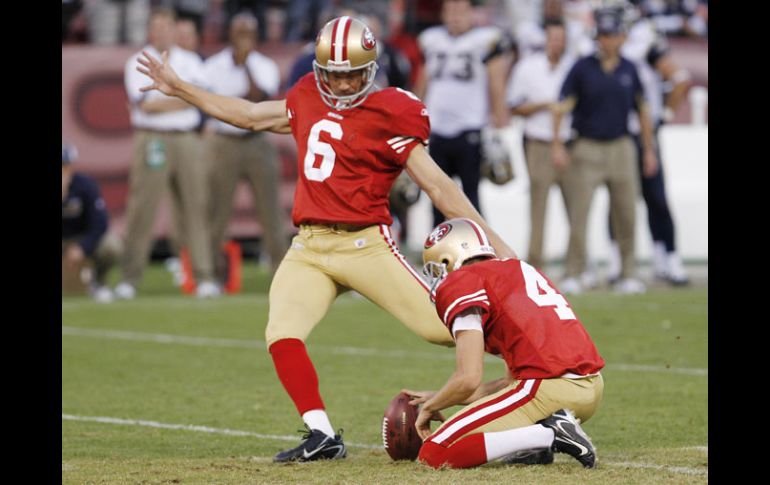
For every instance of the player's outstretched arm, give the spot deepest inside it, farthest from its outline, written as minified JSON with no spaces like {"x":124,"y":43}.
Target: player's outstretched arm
{"x":267,"y":115}
{"x":447,"y":196}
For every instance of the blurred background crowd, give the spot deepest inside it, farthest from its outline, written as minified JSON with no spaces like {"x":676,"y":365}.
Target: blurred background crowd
{"x":230,"y":192}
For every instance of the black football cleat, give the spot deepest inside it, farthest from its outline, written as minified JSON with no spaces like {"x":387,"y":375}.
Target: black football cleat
{"x":542,"y":456}
{"x":316,"y":445}
{"x":570,"y":438}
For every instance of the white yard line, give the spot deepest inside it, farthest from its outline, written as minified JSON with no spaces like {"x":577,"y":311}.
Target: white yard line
{"x":686,"y":470}
{"x":190,"y":427}
{"x":235,"y":432}
{"x":161,"y":338}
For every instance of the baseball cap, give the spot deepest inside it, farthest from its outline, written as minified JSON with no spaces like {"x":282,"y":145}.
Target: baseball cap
{"x":609,"y":21}
{"x":68,"y":153}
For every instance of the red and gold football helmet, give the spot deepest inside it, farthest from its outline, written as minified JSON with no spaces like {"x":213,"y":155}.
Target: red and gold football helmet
{"x":345,"y":44}
{"x":452,"y":243}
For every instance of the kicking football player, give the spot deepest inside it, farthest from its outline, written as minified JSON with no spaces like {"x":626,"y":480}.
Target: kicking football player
{"x":352,"y":143}
{"x":509,"y":309}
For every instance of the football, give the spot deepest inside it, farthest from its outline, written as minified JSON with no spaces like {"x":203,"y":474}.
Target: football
{"x":399,"y":436}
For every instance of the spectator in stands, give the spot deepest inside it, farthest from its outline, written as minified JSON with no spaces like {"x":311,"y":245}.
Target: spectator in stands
{"x":234,"y":153}
{"x":166,"y":154}
{"x":187,"y":35}
{"x":194,"y":10}
{"x":69,"y":10}
{"x":677,"y":17}
{"x":84,"y":224}
{"x":113,"y":22}
{"x":602,"y":89}
{"x":302,"y":18}
{"x":530,"y":32}
{"x":534,"y":86}
{"x":462,"y":84}
{"x":258,"y":8}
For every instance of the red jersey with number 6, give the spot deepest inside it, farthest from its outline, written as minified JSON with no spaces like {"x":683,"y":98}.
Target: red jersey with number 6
{"x":348,"y":159}
{"x":525,"y":320}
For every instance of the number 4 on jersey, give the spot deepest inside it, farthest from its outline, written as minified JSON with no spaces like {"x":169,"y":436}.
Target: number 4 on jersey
{"x":539,"y":291}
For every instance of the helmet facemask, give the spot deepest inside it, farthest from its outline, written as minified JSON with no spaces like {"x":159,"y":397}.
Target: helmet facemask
{"x":344,"y":101}
{"x":450,"y":245}
{"x":345,"y":45}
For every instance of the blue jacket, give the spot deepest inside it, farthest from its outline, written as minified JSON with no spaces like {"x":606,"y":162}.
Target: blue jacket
{"x":84,"y":213}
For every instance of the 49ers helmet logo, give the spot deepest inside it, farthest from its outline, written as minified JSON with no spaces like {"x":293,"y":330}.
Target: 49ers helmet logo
{"x":367,"y":39}
{"x":437,"y":235}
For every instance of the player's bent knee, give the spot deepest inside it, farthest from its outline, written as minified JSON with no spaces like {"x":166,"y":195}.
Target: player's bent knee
{"x":274,"y":333}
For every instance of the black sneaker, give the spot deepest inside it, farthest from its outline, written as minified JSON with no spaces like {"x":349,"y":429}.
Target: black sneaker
{"x":317,"y":445}
{"x":570,"y":438}
{"x":542,"y":456}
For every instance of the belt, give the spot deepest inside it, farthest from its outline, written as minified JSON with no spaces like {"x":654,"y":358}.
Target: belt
{"x":529,"y":139}
{"x":323,"y":228}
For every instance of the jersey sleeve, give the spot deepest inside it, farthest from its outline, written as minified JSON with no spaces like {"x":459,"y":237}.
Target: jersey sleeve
{"x":658,"y":49}
{"x":500,"y":43}
{"x":294,"y":97}
{"x":461,"y":291}
{"x":410,"y":128}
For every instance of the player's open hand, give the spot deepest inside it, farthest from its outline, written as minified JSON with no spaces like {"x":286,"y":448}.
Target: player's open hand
{"x":164,"y":78}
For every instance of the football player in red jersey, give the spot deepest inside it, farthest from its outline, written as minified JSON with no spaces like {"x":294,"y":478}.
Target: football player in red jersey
{"x":352,"y":142}
{"x":509,"y":309}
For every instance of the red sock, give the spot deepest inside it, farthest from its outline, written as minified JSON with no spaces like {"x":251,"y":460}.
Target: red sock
{"x":297,"y":374}
{"x":465,"y":453}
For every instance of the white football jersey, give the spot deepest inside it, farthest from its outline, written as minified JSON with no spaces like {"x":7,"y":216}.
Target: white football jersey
{"x":642,"y":46}
{"x":457,"y":95}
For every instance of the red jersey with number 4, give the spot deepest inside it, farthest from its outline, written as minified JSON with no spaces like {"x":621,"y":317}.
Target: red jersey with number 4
{"x":525,"y":320}
{"x":348,"y":159}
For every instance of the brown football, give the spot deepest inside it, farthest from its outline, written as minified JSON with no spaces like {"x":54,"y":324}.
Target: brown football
{"x":399,"y":436}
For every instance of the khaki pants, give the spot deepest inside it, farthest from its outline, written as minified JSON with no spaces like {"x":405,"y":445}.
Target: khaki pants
{"x":521,"y":404}
{"x":542,"y":175}
{"x":324,"y":262}
{"x":253,"y":157}
{"x":602,"y":162}
{"x":183,"y":171}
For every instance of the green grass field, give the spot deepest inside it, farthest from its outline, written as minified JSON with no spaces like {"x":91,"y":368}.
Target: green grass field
{"x":169,"y":389}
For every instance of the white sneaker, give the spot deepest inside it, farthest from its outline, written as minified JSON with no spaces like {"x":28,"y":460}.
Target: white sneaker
{"x":125,"y":291}
{"x":589,"y":279}
{"x":675,"y":273}
{"x":629,"y":286}
{"x":571,"y":285}
{"x":102,"y":294}
{"x":207,"y":289}
{"x":614,"y":263}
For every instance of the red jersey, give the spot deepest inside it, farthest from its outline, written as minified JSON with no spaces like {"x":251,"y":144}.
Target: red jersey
{"x":348,"y":159}
{"x":525,"y":320}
